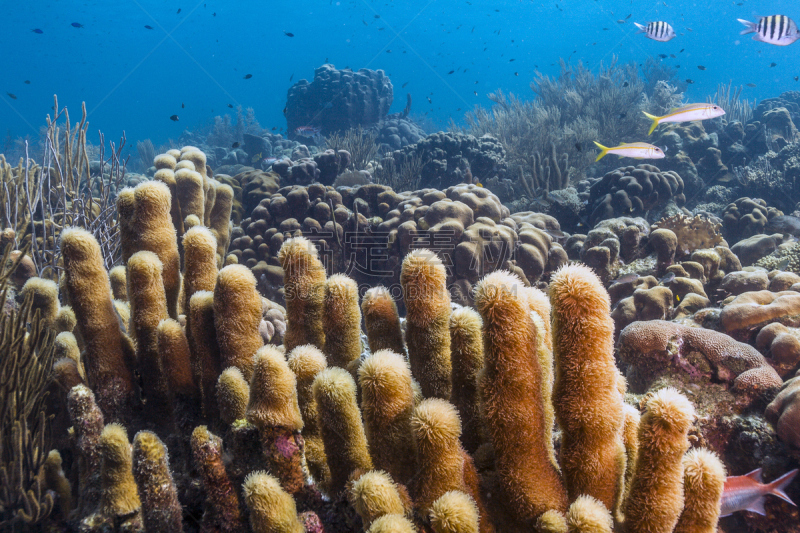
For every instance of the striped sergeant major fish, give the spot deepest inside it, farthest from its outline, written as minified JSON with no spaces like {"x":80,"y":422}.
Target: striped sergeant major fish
{"x":775,"y":29}
{"x":658,"y":31}
{"x":686,"y":113}
{"x":634,"y":150}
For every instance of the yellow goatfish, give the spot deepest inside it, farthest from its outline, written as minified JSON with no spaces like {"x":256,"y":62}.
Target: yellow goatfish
{"x":747,"y":492}
{"x":687,"y":113}
{"x":635,"y":150}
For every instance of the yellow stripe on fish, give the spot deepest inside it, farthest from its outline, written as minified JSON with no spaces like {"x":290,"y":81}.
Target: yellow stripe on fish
{"x":634,"y":150}
{"x":686,"y":113}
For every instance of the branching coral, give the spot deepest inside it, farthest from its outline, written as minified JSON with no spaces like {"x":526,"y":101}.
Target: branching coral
{"x":24,"y":376}
{"x":37,"y":202}
{"x":575,"y":108}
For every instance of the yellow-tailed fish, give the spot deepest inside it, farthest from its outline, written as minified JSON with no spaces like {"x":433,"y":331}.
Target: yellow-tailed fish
{"x":687,"y":113}
{"x":634,"y":150}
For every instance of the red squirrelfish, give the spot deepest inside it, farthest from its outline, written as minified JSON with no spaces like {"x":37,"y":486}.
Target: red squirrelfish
{"x":687,"y":113}
{"x":634,"y":150}
{"x":747,"y":492}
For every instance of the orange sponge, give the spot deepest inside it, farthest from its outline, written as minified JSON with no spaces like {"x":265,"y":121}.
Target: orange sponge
{"x":387,"y":402}
{"x":200,"y":263}
{"x":341,"y":318}
{"x":205,"y":353}
{"x":155,"y":232}
{"x":220,"y":220}
{"x":381,"y":321}
{"x":237,"y":315}
{"x":107,"y":352}
{"x":340,"y":425}
{"x":304,"y":282}
{"x":424,"y":282}
{"x":703,"y":483}
{"x":588,"y":405}
{"x":655,"y":498}
{"x":466,"y":352}
{"x":511,"y":392}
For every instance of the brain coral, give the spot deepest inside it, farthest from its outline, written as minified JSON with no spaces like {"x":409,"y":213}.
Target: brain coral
{"x":651,"y":348}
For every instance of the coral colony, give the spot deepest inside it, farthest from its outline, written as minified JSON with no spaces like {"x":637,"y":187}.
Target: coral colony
{"x":363,"y":327}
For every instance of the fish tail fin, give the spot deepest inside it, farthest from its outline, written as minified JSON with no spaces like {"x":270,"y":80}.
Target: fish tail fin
{"x":603,"y":150}
{"x":655,"y":120}
{"x":749,"y":27}
{"x":642,"y":29}
{"x":776,"y":487}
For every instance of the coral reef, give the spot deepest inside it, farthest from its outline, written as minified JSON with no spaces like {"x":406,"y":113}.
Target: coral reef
{"x":365,"y":231}
{"x":653,"y":347}
{"x":450,"y":158}
{"x":633,"y":192}
{"x":513,"y":416}
{"x":569,"y":112}
{"x":338,"y":99}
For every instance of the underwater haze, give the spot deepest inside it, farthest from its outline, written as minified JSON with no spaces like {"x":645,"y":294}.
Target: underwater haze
{"x":193,"y":63}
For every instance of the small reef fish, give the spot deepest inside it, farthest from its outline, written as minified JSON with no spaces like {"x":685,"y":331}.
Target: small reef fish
{"x":37,"y":30}
{"x":634,"y":150}
{"x":147,"y":26}
{"x":667,"y":279}
{"x":627,"y":278}
{"x":288,"y":34}
{"x":76,"y":25}
{"x":779,"y":30}
{"x":687,"y":113}
{"x":248,"y":76}
{"x":174,"y":118}
{"x":658,"y":31}
{"x":308,"y":131}
{"x":747,"y":492}
{"x":12,"y":96}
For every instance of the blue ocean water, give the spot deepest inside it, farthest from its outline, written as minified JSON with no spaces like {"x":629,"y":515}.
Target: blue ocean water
{"x":193,"y":63}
